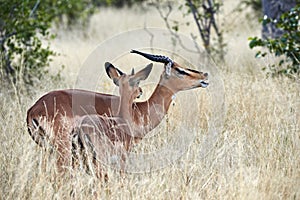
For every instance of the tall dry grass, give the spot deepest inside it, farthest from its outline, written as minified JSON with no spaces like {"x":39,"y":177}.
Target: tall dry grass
{"x":256,"y":156}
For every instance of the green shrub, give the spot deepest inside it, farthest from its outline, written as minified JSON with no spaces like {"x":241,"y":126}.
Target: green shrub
{"x":25,"y":36}
{"x":117,"y":3}
{"x":286,"y":47}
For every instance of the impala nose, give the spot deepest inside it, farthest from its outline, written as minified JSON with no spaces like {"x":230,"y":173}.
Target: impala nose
{"x":204,"y":83}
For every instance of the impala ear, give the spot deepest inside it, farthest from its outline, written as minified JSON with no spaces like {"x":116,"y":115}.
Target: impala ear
{"x":141,"y":75}
{"x":116,"y":81}
{"x":113,"y":72}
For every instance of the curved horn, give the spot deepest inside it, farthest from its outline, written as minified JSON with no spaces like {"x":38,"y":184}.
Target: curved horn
{"x":155,"y":58}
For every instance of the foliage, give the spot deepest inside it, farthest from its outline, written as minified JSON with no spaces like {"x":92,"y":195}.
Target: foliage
{"x":24,"y":34}
{"x":116,"y":3}
{"x":254,"y":5}
{"x":71,"y":12}
{"x":286,"y":47}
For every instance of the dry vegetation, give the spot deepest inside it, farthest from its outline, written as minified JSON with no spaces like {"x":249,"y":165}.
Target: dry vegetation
{"x":255,"y":156}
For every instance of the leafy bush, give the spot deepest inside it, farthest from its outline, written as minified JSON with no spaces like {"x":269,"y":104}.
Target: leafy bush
{"x":116,"y":3}
{"x":255,"y":10}
{"x":286,"y":47}
{"x":24,"y":34}
{"x":256,"y":5}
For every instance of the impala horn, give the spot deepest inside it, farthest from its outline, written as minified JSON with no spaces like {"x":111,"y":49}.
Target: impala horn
{"x":156,"y":58}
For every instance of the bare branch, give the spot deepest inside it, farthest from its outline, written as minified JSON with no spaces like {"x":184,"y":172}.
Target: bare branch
{"x":165,"y":17}
{"x":34,"y":8}
{"x":200,"y":27}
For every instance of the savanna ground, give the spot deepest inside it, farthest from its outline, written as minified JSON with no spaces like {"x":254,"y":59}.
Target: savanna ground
{"x":255,"y":156}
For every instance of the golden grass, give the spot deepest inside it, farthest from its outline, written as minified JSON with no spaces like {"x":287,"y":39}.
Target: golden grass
{"x":255,"y":156}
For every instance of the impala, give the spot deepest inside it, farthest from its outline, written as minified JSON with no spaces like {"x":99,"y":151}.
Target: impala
{"x":55,"y":108}
{"x":101,"y":138}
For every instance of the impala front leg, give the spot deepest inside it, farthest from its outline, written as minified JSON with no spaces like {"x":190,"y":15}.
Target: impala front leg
{"x":63,"y":145}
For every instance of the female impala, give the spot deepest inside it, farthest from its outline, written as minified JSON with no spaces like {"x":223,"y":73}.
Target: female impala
{"x":110,"y":137}
{"x":57,"y":107}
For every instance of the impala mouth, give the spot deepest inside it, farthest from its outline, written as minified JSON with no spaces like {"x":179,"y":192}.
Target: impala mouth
{"x":204,"y":84}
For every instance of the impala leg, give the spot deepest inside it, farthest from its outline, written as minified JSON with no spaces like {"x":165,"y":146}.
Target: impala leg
{"x":99,"y":172}
{"x":63,"y":160}
{"x":64,"y":157}
{"x":123,"y":164}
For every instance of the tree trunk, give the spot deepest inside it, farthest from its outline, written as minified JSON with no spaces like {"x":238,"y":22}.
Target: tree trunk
{"x":273,"y":9}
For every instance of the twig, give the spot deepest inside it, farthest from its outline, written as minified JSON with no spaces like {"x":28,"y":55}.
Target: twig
{"x":199,"y":26}
{"x":166,"y":20}
{"x":34,"y":8}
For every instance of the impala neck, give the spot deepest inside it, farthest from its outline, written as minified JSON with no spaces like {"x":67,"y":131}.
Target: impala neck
{"x":125,"y":107}
{"x":152,"y":111}
{"x":161,"y":98}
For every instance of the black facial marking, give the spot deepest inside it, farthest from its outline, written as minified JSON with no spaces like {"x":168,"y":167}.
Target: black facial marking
{"x":192,"y":70}
{"x":182,"y":72}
